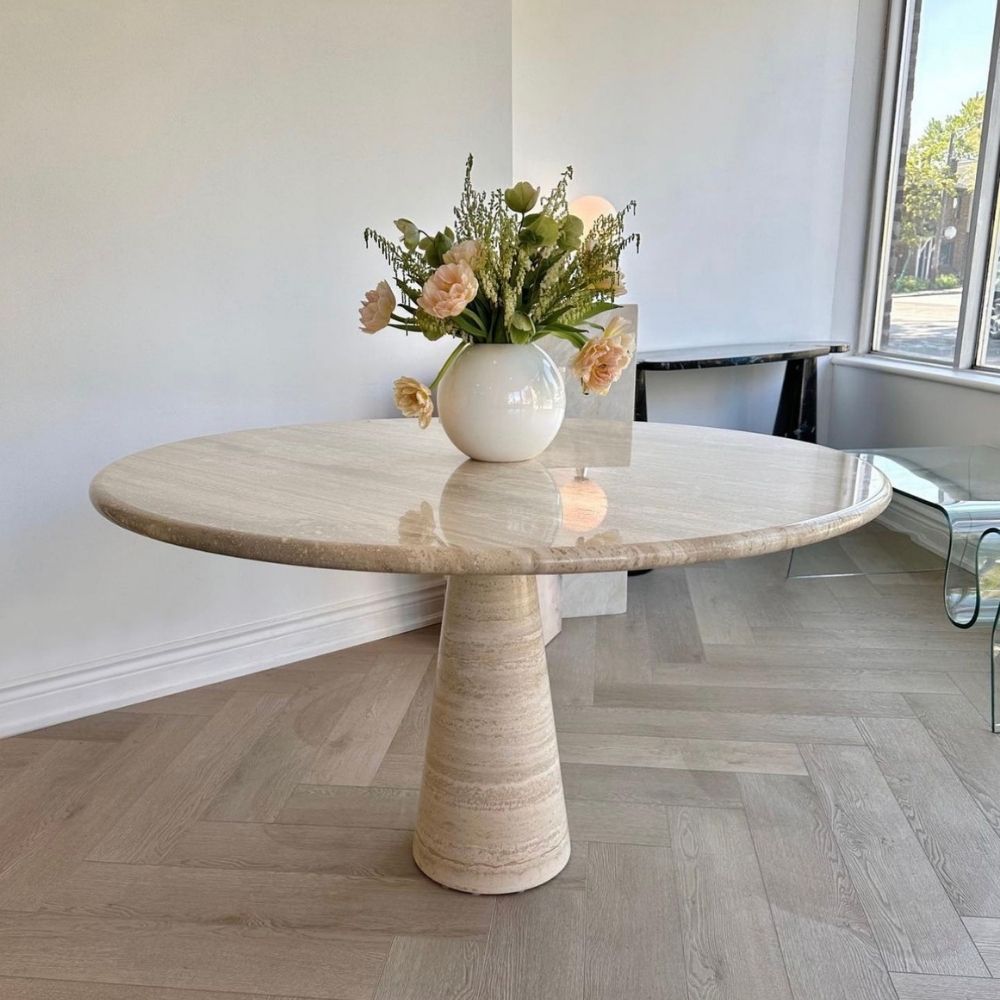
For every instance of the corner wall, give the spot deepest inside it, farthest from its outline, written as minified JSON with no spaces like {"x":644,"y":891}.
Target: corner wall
{"x":728,"y":122}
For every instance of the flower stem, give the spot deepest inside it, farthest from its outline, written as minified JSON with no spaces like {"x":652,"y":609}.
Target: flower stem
{"x":448,"y":363}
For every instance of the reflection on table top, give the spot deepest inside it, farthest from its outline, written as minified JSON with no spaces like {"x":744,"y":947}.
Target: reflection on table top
{"x":727,"y":355}
{"x":382,"y":495}
{"x":957,"y":479}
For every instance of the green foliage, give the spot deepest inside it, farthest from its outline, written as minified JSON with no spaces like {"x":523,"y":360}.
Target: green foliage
{"x":946,"y":281}
{"x":908,"y":283}
{"x":537,"y":273}
{"x":930,"y":176}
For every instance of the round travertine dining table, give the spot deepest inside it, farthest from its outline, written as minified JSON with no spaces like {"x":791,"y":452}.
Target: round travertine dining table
{"x":387,"y":497}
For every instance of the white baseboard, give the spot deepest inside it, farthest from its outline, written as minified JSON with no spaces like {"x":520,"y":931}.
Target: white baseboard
{"x":926,"y":526}
{"x":114,"y":682}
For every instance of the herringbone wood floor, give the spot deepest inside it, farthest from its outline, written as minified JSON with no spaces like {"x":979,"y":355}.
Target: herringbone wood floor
{"x":777,"y":789}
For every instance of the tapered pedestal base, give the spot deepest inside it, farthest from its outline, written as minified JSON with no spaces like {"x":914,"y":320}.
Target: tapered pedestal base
{"x":492,"y":815}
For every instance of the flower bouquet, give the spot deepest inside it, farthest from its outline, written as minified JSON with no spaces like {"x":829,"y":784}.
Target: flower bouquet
{"x":514,"y":268}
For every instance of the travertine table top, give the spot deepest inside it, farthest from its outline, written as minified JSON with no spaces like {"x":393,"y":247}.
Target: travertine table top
{"x":384,"y":496}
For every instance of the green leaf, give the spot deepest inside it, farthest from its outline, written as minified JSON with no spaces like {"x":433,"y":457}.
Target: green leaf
{"x":567,"y":333}
{"x":463,"y":323}
{"x":522,"y":330}
{"x":476,"y":318}
{"x":411,"y":235}
{"x":543,"y":230}
{"x":571,"y":233}
{"x":596,"y":309}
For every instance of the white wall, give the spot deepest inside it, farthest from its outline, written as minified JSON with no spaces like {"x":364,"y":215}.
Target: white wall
{"x":728,"y":123}
{"x":184,"y":185}
{"x":877,"y":409}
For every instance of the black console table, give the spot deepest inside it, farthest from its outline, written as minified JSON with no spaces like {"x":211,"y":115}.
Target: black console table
{"x":796,"y":417}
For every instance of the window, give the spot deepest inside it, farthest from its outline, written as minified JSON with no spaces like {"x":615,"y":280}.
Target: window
{"x":935,"y":294}
{"x":988,"y":355}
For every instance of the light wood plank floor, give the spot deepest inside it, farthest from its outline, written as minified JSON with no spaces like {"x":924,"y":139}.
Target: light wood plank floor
{"x":778,"y":790}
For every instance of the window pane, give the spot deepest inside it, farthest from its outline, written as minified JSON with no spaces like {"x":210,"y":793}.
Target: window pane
{"x":939,"y":138}
{"x":990,"y":348}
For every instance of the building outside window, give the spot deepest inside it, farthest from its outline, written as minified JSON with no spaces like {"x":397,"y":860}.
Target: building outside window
{"x":936,"y":297}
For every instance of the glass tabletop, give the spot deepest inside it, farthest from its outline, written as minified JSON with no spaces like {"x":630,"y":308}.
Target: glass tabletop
{"x":959,"y":480}
{"x":962,"y":483}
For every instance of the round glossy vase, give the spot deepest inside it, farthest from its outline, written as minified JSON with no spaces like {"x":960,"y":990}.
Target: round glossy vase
{"x":502,"y":402}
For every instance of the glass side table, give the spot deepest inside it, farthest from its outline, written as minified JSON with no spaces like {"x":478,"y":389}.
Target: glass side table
{"x":963,"y":484}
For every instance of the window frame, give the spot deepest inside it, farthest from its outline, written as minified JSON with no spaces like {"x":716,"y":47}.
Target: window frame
{"x":972,"y":341}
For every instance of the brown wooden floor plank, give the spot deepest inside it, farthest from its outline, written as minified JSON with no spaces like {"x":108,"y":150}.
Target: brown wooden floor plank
{"x":622,"y":653}
{"x":145,"y":832}
{"x":717,"y":608}
{"x":975,"y":685}
{"x":111,"y":726}
{"x":914,"y":987}
{"x":311,"y":963}
{"x":363,"y":732}
{"x":18,"y":751}
{"x":827,"y":945}
{"x":954,"y":835}
{"x":351,"y":852}
{"x":53,"y":989}
{"x":332,"y":805}
{"x":904,"y":656}
{"x":37,"y":799}
{"x":266,"y":775}
{"x":650,"y":784}
{"x":664,"y":599}
{"x":400,"y":770}
{"x":411,"y":734}
{"x":572,"y":662}
{"x":432,"y":969}
{"x":720,"y":725}
{"x":680,"y":754}
{"x":913,"y":920}
{"x":536,"y":946}
{"x":198,"y":701}
{"x":774,"y":701}
{"x":730,"y":944}
{"x":618,"y":822}
{"x":847,"y":631}
{"x":985,"y":933}
{"x":817,"y":678}
{"x":257,"y":898}
{"x":633,"y":943}
{"x":114,"y":783}
{"x":966,"y":741}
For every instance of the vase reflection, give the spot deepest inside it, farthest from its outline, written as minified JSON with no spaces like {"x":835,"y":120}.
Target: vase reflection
{"x":521,"y":504}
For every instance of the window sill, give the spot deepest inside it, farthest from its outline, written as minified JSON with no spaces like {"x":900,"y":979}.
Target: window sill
{"x":966,"y":379}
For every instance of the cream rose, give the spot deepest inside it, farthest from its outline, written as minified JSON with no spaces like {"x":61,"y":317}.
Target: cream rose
{"x":603,"y":358}
{"x":449,"y":290}
{"x":376,"y":308}
{"x":468,"y":251}
{"x":413,"y":399}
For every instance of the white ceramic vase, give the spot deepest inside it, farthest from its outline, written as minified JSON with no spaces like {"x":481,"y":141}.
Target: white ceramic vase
{"x":502,"y":402}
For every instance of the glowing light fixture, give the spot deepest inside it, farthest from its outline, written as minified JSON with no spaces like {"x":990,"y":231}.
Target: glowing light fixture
{"x":590,"y":208}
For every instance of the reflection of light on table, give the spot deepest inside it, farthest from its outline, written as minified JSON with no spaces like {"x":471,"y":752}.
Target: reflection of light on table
{"x":584,"y":503}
